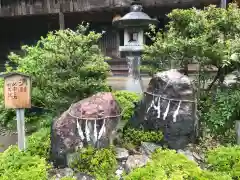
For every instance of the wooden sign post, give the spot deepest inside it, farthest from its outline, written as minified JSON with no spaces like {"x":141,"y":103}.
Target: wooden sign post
{"x":17,"y":95}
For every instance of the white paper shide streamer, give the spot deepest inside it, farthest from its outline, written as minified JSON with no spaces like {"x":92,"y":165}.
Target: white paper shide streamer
{"x":102,"y":130}
{"x":167,"y":110}
{"x":151,"y":105}
{"x":95,"y":131}
{"x":156,"y":107}
{"x":176,"y":112}
{"x":159,"y":107}
{"x":87,"y":131}
{"x":80,"y":132}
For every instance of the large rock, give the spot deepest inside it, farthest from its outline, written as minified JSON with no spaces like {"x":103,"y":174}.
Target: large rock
{"x":175,"y":92}
{"x":91,"y":121}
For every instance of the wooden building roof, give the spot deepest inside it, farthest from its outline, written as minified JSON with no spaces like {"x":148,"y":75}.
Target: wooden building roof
{"x":26,"y":7}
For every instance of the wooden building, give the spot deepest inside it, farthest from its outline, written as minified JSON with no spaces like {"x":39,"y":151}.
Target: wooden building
{"x":24,"y":21}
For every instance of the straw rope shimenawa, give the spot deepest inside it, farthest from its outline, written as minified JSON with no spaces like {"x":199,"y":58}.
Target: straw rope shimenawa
{"x":170,"y":99}
{"x":96,"y":135}
{"x":158,"y":106}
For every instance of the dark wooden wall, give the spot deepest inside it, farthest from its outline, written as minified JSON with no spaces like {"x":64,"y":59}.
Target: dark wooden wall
{"x":31,"y":7}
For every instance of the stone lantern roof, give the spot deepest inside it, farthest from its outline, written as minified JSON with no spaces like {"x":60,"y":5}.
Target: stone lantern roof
{"x":135,"y":18}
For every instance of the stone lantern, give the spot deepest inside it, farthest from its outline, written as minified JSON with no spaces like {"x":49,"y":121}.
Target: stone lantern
{"x":134,"y":23}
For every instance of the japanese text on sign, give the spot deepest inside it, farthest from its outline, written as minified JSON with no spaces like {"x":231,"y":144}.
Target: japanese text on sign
{"x":15,"y":87}
{"x":17,"y":91}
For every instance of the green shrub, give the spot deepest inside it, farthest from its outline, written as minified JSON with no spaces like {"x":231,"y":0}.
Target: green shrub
{"x":35,"y":121}
{"x":100,"y":163}
{"x":39,"y":143}
{"x":135,"y":136}
{"x":65,"y":66}
{"x":225,"y":159}
{"x":168,"y":165}
{"x":126,"y":101}
{"x":16,"y":165}
{"x":220,"y":111}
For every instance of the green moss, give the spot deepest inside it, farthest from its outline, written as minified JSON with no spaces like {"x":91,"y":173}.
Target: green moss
{"x":168,"y":165}
{"x":126,"y":101}
{"x":135,"y":136}
{"x":100,"y":163}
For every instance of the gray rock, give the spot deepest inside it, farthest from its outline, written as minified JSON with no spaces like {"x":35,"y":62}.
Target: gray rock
{"x":197,"y":156}
{"x":187,"y":153}
{"x":135,"y":161}
{"x":83,"y":176}
{"x":232,"y":79}
{"x":122,"y":153}
{"x":83,"y":124}
{"x":60,"y":173}
{"x":193,"y":156}
{"x":172,"y":87}
{"x":119,"y":172}
{"x":148,"y":148}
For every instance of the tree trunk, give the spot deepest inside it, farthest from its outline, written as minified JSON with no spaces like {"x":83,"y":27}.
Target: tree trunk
{"x":218,"y":75}
{"x":185,"y":69}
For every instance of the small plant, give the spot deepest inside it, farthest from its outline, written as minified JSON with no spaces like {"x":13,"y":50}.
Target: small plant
{"x":100,"y":163}
{"x":126,"y":101}
{"x":136,"y":136}
{"x":225,"y":159}
{"x":18,"y":165}
{"x":39,"y":143}
{"x":168,"y":165}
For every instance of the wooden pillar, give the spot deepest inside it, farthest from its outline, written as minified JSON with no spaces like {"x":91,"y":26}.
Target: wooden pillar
{"x":61,"y":16}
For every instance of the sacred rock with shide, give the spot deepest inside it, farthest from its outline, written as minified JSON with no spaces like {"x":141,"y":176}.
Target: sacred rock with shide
{"x":91,"y":121}
{"x":169,"y":105}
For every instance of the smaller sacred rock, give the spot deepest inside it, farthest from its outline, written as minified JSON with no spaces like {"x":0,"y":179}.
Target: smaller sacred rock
{"x":91,"y":121}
